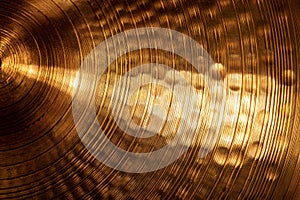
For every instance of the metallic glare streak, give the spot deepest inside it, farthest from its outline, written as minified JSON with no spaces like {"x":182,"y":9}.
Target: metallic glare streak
{"x":255,"y":47}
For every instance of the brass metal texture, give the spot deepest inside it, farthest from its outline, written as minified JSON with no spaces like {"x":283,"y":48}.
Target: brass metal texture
{"x":255,"y":47}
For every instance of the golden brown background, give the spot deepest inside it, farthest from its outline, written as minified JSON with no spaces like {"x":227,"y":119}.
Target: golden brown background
{"x":42,"y":44}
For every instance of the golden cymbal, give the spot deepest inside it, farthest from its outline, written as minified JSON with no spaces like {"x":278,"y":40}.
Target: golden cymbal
{"x":73,"y":128}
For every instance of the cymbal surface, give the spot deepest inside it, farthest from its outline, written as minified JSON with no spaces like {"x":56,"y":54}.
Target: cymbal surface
{"x":233,"y":121}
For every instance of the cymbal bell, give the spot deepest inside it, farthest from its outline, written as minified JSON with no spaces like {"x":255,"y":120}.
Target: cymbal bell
{"x":72,"y":127}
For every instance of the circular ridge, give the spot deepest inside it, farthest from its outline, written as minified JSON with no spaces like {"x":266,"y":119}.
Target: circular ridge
{"x":255,"y":47}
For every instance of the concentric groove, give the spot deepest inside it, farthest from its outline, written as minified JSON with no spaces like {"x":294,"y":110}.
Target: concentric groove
{"x":255,"y":45}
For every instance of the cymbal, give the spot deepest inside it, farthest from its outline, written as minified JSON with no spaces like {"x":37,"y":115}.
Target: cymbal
{"x":170,"y":99}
